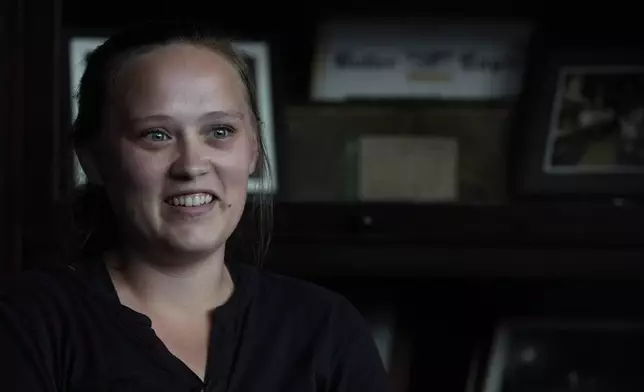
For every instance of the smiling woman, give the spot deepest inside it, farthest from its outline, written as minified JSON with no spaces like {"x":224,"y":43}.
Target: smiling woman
{"x":167,"y":132}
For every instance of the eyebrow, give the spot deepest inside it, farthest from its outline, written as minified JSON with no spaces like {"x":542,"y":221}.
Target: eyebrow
{"x":215,"y":115}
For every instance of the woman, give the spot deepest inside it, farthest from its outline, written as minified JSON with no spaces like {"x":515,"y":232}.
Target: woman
{"x":168,"y":134}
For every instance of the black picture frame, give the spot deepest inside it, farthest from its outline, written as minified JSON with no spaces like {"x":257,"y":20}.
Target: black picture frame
{"x":260,"y":58}
{"x":563,"y":354}
{"x":590,"y":159}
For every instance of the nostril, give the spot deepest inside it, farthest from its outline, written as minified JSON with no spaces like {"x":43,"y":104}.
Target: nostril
{"x":190,"y":172}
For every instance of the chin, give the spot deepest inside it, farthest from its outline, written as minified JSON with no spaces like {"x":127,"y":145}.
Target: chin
{"x":199,"y":237}
{"x":194,"y":245}
{"x":197,"y":241}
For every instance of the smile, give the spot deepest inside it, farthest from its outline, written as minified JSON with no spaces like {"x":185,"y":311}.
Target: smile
{"x":190,"y":200}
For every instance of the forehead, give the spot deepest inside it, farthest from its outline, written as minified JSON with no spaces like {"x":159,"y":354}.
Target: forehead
{"x":175,"y":76}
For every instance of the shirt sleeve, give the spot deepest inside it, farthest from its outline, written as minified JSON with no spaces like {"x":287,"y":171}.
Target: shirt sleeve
{"x":23,"y":362}
{"x":356,"y":362}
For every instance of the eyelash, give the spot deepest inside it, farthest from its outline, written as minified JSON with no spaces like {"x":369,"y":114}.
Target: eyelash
{"x":230,"y":130}
{"x":146,"y":134}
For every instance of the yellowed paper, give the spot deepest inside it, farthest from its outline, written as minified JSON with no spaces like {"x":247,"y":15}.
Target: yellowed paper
{"x":408,"y":168}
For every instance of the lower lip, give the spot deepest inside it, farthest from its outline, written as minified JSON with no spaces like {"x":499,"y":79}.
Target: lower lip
{"x":191,"y":212}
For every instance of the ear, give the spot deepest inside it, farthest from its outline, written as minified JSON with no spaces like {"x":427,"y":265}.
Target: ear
{"x":254,"y":154}
{"x":89,"y":166}
{"x":253,"y":163}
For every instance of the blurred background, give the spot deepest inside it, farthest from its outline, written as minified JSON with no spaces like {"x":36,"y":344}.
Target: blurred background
{"x":469,"y":175}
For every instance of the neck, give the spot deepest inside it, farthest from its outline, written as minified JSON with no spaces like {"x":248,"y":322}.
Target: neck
{"x":193,"y":287}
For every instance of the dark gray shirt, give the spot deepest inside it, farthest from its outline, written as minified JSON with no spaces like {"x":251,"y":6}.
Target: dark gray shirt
{"x":65,"y":330}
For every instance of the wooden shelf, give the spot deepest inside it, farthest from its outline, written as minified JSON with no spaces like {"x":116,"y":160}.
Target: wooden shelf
{"x":528,"y":225}
{"x":453,"y":241}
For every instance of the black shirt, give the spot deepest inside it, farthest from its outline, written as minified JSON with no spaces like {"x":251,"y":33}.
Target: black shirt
{"x":66,"y":330}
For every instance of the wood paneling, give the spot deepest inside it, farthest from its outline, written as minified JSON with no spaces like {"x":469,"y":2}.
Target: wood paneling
{"x":32,"y":171}
{"x":11,"y":96}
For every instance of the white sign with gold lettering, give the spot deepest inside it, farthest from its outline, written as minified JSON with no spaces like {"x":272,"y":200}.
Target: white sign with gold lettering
{"x":422,"y":59}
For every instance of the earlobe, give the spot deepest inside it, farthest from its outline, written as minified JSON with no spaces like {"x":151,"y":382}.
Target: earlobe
{"x":255,"y":155}
{"x":253,"y":165}
{"x":88,"y":164}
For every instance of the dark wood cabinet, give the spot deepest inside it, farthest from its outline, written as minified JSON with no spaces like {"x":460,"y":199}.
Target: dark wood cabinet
{"x":414,"y":240}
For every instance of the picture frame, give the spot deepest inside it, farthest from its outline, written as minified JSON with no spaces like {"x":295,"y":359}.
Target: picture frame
{"x":553,"y":354}
{"x":579,"y":123}
{"x":259,"y":61}
{"x":427,"y":58}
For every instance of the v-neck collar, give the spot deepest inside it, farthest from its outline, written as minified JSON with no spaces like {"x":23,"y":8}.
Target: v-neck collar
{"x":227,"y":322}
{"x":244,"y":281}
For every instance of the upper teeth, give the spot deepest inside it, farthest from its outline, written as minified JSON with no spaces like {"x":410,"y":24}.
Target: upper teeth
{"x":194,"y":200}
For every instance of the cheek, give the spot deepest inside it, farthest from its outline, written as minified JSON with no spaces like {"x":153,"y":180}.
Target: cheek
{"x":138,"y":170}
{"x":233,"y":171}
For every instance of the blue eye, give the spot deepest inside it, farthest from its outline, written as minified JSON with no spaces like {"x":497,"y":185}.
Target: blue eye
{"x":221,"y":132}
{"x":156,"y":135}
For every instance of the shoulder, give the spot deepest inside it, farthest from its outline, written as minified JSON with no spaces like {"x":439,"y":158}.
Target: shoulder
{"x":36,"y":309}
{"x":311,"y":315}
{"x":35,"y":286}
{"x":38,"y":295}
{"x":297,"y":297}
{"x":45,"y":299}
{"x":306,"y":310}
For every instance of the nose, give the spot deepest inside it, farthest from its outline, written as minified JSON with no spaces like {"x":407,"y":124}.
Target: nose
{"x":190,"y":162}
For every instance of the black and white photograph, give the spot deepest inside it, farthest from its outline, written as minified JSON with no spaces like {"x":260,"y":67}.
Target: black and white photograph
{"x":257,"y":55}
{"x":566,"y":356}
{"x":257,"y":58}
{"x":597,"y":123}
{"x":579,"y":128}
{"x":79,"y":49}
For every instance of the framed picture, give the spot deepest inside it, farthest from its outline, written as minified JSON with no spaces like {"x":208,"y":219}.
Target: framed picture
{"x":258,"y":57}
{"x":580,"y":123}
{"x":422,"y":58}
{"x":534,"y":355}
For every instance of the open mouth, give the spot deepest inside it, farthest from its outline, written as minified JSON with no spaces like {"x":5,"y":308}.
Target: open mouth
{"x":191,"y":200}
